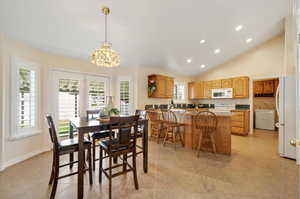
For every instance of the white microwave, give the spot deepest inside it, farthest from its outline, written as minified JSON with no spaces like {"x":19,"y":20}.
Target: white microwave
{"x":222,"y":93}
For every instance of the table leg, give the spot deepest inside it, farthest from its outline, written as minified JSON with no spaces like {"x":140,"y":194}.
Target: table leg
{"x":145,"y":146}
{"x":80,"y":165}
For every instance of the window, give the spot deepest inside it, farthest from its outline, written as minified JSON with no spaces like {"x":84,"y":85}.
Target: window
{"x":24,"y":104}
{"x":68,"y":106}
{"x":124,"y":97}
{"x":179,"y":92}
{"x":96,"y":95}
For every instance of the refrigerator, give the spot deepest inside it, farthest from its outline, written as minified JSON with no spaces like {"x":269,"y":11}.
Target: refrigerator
{"x":286,"y":110}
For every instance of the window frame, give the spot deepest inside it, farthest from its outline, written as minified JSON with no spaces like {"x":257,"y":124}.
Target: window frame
{"x":16,"y":132}
{"x":184,"y":92}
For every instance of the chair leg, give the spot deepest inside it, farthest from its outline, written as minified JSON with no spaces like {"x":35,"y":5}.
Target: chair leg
{"x":124,"y":162}
{"x":56,"y":174}
{"x":90,"y":165}
{"x":52,"y":170}
{"x":94,"y":153}
{"x":174,"y":138}
{"x":71,"y":160}
{"x":136,"y":184}
{"x":100,"y":164}
{"x":199,"y":144}
{"x":110,"y":177}
{"x":165,"y":139}
{"x":213,"y":143}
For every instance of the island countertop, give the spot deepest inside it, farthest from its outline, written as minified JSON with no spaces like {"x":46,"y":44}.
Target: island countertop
{"x":191,"y":135}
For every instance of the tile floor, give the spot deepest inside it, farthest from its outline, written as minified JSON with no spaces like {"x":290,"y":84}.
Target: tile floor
{"x":254,"y":171}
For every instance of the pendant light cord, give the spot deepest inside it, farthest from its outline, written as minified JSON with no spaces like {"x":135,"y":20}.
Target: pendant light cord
{"x":105,"y":28}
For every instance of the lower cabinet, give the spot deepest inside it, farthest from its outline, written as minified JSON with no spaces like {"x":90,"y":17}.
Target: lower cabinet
{"x":240,"y":122}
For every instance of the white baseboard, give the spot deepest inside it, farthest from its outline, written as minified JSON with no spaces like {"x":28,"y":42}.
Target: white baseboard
{"x":22,"y":158}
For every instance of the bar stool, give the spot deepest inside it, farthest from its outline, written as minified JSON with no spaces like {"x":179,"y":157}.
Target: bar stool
{"x":171,"y":129}
{"x":64,"y":147}
{"x":156,"y":126}
{"x":206,"y":125}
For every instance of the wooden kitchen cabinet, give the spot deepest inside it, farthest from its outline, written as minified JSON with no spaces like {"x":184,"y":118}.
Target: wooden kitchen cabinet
{"x":216,"y":84}
{"x":196,"y":90}
{"x":258,"y":87}
{"x":240,"y":122}
{"x":164,"y":86}
{"x":226,"y":83}
{"x":241,"y":87}
{"x":268,"y":87}
{"x":207,"y":89}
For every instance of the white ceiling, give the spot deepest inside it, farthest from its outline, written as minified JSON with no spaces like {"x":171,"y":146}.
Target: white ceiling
{"x":160,"y":33}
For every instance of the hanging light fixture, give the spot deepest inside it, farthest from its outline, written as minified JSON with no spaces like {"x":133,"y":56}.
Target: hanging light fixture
{"x":105,"y":56}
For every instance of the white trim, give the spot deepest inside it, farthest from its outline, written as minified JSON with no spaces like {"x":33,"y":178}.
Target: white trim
{"x":24,"y":135}
{"x":23,"y":157}
{"x":16,"y":64}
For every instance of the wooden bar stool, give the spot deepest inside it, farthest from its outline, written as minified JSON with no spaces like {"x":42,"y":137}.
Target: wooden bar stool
{"x":206,"y":125}
{"x":64,"y":147}
{"x":172,"y":129}
{"x":124,"y":144}
{"x":156,"y":126}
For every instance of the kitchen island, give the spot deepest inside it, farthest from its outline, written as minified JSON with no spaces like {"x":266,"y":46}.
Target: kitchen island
{"x":191,"y":136}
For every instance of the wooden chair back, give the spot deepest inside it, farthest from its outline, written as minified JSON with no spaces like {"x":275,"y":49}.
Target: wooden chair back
{"x":92,"y":114}
{"x":206,"y":122}
{"x":169,"y":116}
{"x":125,"y":137}
{"x":52,"y":132}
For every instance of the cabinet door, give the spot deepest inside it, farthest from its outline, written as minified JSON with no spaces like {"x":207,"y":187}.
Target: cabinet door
{"x":169,"y":87}
{"x":161,"y":88}
{"x":207,"y":89}
{"x":258,"y":87}
{"x":226,"y":83}
{"x":269,"y":87}
{"x":216,"y":84}
{"x":241,"y":87}
{"x":192,"y":90}
{"x":200,"y":90}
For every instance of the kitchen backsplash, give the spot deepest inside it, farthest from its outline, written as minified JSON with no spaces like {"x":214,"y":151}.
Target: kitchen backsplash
{"x":184,"y":106}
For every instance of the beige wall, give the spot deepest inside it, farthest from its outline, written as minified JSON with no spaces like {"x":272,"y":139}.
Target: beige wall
{"x":15,"y":150}
{"x":266,"y":60}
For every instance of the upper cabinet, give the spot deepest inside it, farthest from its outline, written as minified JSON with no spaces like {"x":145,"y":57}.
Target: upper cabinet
{"x":226,"y":83}
{"x":265,"y":88}
{"x":202,"y":89}
{"x":160,"y":86}
{"x":240,"y":87}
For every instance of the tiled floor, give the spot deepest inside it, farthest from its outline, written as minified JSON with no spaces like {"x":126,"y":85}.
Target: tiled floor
{"x":254,"y":171}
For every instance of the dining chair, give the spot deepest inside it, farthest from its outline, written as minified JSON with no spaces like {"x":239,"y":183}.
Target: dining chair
{"x":142,"y":115}
{"x":171,"y":128}
{"x":206,"y":125}
{"x":96,"y":136}
{"x":121,"y":146}
{"x":64,"y":147}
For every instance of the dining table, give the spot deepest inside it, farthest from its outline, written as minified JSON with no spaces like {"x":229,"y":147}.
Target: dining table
{"x":84,"y":126}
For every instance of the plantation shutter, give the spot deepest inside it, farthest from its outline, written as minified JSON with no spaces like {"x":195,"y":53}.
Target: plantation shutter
{"x":27,"y":99}
{"x":124,"y":97}
{"x":178,"y":92}
{"x":97,"y":95}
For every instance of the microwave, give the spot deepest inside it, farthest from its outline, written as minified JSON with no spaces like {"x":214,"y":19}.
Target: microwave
{"x":222,"y":93}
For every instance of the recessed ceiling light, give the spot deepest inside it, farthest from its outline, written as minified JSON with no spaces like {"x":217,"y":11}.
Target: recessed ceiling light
{"x":202,"y":41}
{"x":217,"y":51}
{"x":188,"y":60}
{"x":249,"y":40}
{"x":239,"y":27}
{"x":203,"y":66}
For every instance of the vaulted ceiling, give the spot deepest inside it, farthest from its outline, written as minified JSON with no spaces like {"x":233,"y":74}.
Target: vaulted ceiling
{"x":156,"y":33}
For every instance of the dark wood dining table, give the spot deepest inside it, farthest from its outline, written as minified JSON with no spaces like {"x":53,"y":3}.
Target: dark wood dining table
{"x":83,"y":127}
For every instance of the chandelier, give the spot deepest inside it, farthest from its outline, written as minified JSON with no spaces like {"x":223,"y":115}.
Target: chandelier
{"x":105,"y":56}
